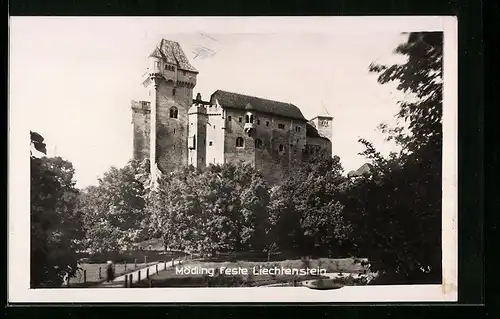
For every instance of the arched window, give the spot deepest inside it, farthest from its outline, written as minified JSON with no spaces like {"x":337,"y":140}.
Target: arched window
{"x":258,"y":143}
{"x":281,"y":148}
{"x":239,"y":142}
{"x":174,"y":113}
{"x":247,"y":119}
{"x":251,"y":118}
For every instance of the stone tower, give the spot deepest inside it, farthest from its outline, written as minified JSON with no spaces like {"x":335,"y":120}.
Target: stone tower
{"x":161,"y":123}
{"x":198,"y":120}
{"x":324,"y":126}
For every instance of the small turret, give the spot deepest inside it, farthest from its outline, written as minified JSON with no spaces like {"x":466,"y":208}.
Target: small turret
{"x":154,"y":65}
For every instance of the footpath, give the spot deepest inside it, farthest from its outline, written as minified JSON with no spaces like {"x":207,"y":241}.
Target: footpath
{"x":139,"y":274}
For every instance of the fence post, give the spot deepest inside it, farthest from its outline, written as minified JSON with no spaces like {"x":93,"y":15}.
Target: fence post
{"x":100,"y":276}
{"x":130,"y":281}
{"x":156,"y":268}
{"x":68,"y":281}
{"x":84,"y":276}
{"x":145,"y":259}
{"x":147,"y":273}
{"x":164,"y":265}
{"x":139,"y":276}
{"x":126,"y":281}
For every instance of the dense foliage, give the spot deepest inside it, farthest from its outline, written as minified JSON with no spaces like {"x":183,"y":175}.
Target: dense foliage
{"x":222,"y":208}
{"x":55,"y":226}
{"x":306,"y":209}
{"x":113,"y":211}
{"x":396,"y":209}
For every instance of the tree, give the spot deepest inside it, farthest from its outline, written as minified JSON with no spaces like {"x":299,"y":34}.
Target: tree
{"x":113,"y":211}
{"x":55,"y":225}
{"x":37,"y":141}
{"x":397,"y":208}
{"x":306,"y":209}
{"x":223,"y":207}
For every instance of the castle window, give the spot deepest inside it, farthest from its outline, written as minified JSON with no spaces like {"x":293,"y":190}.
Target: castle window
{"x":281,"y":148}
{"x":173,"y":91}
{"x":258,"y":122}
{"x":210,"y":143}
{"x":239,"y":142}
{"x":258,"y":143}
{"x":174,"y":113}
{"x":239,"y":119}
{"x":247,"y":119}
{"x":267,"y":123}
{"x":297,"y":129}
{"x":229,"y":118}
{"x":281,"y":126}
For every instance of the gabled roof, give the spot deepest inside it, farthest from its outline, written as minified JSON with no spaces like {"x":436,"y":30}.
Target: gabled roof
{"x":246,"y":102}
{"x":171,"y":52}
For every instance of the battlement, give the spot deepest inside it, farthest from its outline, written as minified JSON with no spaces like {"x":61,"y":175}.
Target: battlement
{"x":140,"y":106}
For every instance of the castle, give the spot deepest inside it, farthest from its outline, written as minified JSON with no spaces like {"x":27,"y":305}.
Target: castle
{"x":172,"y":129}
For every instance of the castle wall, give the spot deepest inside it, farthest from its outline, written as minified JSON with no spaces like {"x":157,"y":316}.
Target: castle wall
{"x":317,"y":146}
{"x":172,"y":133}
{"x":141,"y":113}
{"x":273,"y":163}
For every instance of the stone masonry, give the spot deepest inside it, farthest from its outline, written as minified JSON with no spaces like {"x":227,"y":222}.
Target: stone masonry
{"x":228,"y":127}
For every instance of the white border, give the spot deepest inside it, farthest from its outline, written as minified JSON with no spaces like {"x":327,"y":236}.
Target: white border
{"x":19,"y":185}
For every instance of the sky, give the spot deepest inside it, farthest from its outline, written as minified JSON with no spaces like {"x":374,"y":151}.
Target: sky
{"x":74,"y":77}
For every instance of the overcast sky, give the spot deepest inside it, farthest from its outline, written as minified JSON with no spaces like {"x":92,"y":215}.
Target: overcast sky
{"x":74,"y":77}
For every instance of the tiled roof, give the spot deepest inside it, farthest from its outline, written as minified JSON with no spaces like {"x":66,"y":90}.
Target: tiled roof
{"x":171,"y":52}
{"x":245,"y":102}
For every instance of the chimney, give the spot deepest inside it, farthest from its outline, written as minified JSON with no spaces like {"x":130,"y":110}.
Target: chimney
{"x":198,"y":96}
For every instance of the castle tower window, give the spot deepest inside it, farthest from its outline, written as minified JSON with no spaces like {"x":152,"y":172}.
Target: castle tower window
{"x":281,"y":126}
{"x":267,"y":123}
{"x":173,"y":91}
{"x":251,"y":118}
{"x":239,"y":142}
{"x":229,"y":118}
{"x":247,"y":119}
{"x":239,"y":119}
{"x":258,"y":143}
{"x":210,"y":143}
{"x":174,"y":113}
{"x":281,"y":148}
{"x":258,"y":122}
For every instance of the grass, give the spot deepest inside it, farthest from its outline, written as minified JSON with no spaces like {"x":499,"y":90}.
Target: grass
{"x":169,"y":278}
